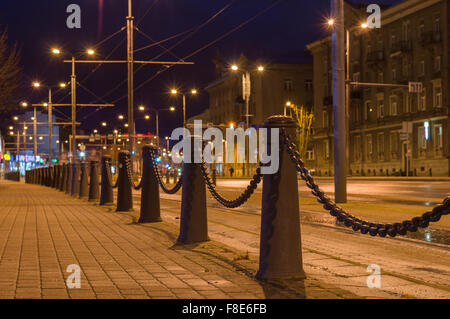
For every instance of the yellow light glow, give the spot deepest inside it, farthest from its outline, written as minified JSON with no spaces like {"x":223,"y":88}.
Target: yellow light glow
{"x":141,"y":108}
{"x":231,"y":125}
{"x":95,"y":131}
{"x":330,"y":22}
{"x":90,"y":52}
{"x":45,"y":104}
{"x":147,"y":117}
{"x":288,"y":103}
{"x":364,"y":25}
{"x":103,"y":123}
{"x":173,"y":91}
{"x":24,"y":104}
{"x":260,"y":68}
{"x":126,"y":125}
{"x":15,"y":118}
{"x":120,"y":117}
{"x":63,"y":85}
{"x":172,"y":108}
{"x":56,"y":51}
{"x":36,"y":84}
{"x":194,"y":91}
{"x":234,"y":67}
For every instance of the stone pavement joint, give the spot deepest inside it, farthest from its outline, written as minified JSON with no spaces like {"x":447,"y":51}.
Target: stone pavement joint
{"x":43,"y":231}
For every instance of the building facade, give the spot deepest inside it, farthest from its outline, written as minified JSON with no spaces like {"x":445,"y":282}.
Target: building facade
{"x":392,"y":131}
{"x":270,"y":89}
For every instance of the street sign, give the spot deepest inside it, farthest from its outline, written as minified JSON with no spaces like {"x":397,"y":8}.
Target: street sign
{"x":415,"y":87}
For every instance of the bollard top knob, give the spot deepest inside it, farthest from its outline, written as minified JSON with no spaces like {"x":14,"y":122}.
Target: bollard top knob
{"x":280,"y":121}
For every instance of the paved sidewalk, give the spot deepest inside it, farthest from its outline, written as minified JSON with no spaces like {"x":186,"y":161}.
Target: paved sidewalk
{"x":43,"y":231}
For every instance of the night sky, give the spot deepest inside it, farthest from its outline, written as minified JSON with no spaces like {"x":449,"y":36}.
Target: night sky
{"x":278,"y":35}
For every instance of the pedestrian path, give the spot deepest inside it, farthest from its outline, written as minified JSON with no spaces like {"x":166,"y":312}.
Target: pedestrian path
{"x":44,"y":231}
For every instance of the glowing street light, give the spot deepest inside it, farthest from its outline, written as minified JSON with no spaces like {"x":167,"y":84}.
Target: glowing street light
{"x":104,"y":124}
{"x":260,"y":68}
{"x":172,"y":108}
{"x":56,"y":51}
{"x":234,"y":67}
{"x":147,"y":117}
{"x":36,"y":84}
{"x":141,"y":108}
{"x":63,"y":85}
{"x":24,"y":104}
{"x":193,"y":91}
{"x":90,"y":52}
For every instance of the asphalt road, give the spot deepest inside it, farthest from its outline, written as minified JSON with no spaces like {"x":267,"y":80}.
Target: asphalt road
{"x":426,"y":192}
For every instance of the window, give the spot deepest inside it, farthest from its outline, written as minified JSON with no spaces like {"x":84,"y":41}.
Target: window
{"x":437,"y":94}
{"x":367,"y":109}
{"x":422,"y":68}
{"x":421,"y":29}
{"x":393,"y":144}
{"x":393,"y":40}
{"x":405,"y":31}
{"x":380,"y":77}
{"x":393,"y":105}
{"x":308,"y":85}
{"x":288,"y":85}
{"x":357,"y":148}
{"x":394,"y":74}
{"x":422,"y":101}
{"x":310,"y":155}
{"x":438,"y":142}
{"x":437,"y":63}
{"x":325,"y":119}
{"x":437,"y":25}
{"x":356,"y":77}
{"x":369,"y":144}
{"x":327,"y":149}
{"x":380,"y":109}
{"x":380,"y":146}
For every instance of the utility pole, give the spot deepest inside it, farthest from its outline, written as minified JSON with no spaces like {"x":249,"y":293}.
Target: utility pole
{"x":35,"y":133}
{"x":73,"y":85}
{"x":339,"y":111}
{"x":130,"y":45}
{"x":50,"y":125}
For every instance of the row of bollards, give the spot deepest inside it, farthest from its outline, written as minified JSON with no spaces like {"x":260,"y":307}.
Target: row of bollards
{"x":280,"y":244}
{"x":70,"y":178}
{"x":13,"y":176}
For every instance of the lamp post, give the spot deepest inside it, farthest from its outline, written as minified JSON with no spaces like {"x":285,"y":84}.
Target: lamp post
{"x":73,"y":86}
{"x":341,"y":98}
{"x":175,"y":92}
{"x":50,"y":118}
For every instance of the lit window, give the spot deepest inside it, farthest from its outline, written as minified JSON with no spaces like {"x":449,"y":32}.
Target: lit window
{"x":393,"y":105}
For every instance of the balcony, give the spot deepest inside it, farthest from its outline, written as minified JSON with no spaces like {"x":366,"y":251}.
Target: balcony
{"x":375,"y":57}
{"x":400,"y":47}
{"x":430,"y":38}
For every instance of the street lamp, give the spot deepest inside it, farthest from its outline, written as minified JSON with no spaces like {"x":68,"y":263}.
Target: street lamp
{"x":175,"y":92}
{"x":73,"y":83}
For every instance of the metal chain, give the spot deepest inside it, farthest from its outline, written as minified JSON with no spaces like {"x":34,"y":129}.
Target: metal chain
{"x":239,"y":200}
{"x":155,"y":168}
{"x":130,"y":174}
{"x":357,"y":224}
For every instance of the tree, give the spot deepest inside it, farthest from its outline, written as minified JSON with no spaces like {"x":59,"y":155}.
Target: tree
{"x":304,"y":119}
{"x":9,"y":74}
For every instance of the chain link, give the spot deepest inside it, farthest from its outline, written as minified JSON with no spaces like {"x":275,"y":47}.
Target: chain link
{"x":355,"y":223}
{"x":130,"y":174}
{"x":239,"y":200}
{"x":155,"y":168}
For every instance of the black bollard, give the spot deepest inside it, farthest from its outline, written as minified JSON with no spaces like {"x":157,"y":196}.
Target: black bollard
{"x":62,"y":185}
{"x":84,"y":181}
{"x":193,"y":223}
{"x":106,"y":195}
{"x":280,"y":245}
{"x":150,"y":208}
{"x":93,"y":182}
{"x":124,"y":190}
{"x":75,"y":191}
{"x":68,"y":188}
{"x":55,"y":176}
